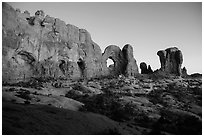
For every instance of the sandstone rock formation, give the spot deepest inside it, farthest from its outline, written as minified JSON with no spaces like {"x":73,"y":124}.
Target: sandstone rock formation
{"x":124,"y":62}
{"x":149,"y":69}
{"x":144,"y":69}
{"x":171,"y":60}
{"x":131,"y":68}
{"x":184,"y":72}
{"x":113,"y":52}
{"x":43,"y":46}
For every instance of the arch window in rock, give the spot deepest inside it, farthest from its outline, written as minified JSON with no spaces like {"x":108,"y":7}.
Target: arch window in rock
{"x":110,"y":62}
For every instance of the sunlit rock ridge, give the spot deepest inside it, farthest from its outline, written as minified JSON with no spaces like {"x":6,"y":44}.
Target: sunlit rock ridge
{"x":44,"y":46}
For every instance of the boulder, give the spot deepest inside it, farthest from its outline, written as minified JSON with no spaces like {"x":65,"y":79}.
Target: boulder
{"x":171,"y":60}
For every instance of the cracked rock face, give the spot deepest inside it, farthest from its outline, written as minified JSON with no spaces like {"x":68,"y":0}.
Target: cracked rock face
{"x":43,"y":46}
{"x":171,"y":60}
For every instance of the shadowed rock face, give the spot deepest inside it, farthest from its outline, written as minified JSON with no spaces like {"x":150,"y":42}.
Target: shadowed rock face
{"x":149,"y":69}
{"x":171,"y":60}
{"x":184,"y":72}
{"x":144,"y":69}
{"x":43,"y":46}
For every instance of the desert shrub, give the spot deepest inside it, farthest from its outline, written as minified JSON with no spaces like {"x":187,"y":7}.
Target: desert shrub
{"x":27,"y":102}
{"x":107,"y":104}
{"x":196,"y":90}
{"x":24,"y":94}
{"x":154,"y":96}
{"x":177,"y":123}
{"x":32,"y":83}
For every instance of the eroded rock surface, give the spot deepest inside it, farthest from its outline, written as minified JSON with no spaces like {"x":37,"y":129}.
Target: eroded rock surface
{"x":43,"y":46}
{"x":171,"y":60}
{"x":131,"y":68}
{"x":114,"y":52}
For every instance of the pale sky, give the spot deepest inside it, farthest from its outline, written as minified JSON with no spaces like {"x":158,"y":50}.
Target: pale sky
{"x":148,"y":27}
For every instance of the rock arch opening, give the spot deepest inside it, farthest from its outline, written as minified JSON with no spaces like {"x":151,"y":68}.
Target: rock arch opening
{"x":110,"y":63}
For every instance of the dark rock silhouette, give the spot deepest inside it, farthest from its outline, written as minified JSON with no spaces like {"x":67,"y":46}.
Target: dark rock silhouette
{"x":184,"y":72}
{"x":171,"y":60}
{"x":144,"y":69}
{"x":43,"y":46}
{"x":149,"y":69}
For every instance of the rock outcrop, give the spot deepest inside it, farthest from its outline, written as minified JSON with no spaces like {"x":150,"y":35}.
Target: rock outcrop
{"x":171,"y":60}
{"x":114,"y":53}
{"x":184,"y":72}
{"x":149,"y":69}
{"x":144,"y":69}
{"x":131,"y":68}
{"x":43,"y":46}
{"x":124,"y":62}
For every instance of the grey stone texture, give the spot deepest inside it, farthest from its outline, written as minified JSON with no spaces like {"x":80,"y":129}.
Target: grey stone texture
{"x":43,"y":46}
